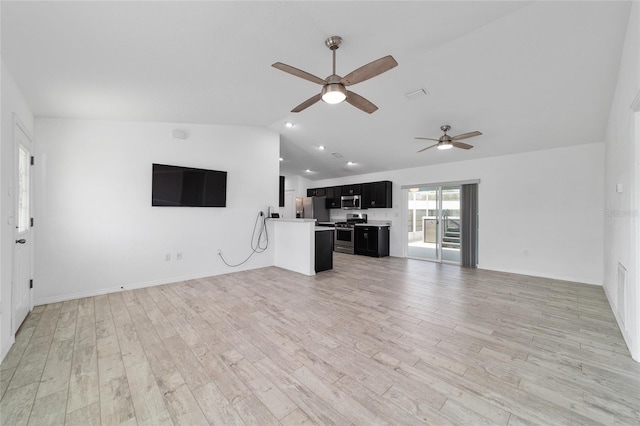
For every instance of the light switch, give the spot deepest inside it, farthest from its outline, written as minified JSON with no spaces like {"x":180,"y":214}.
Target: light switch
{"x":619,"y":188}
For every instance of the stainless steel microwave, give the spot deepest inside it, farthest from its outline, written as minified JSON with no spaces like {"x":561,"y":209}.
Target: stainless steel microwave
{"x":350,"y":202}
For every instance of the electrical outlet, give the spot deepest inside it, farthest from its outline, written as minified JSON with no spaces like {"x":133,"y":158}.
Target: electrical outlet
{"x":219,"y":251}
{"x":179,"y":255}
{"x":167,"y":257}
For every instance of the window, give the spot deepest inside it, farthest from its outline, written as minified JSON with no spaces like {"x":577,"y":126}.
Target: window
{"x":24,"y":162}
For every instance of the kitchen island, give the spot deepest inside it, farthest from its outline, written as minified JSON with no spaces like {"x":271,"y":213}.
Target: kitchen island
{"x":294,"y":243}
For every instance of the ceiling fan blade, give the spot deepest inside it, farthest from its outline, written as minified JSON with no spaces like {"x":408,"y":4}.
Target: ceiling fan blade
{"x":360,"y":102}
{"x":370,"y":70}
{"x":306,"y":104}
{"x":428,"y":139}
{"x":465,"y":136}
{"x":461,"y":145}
{"x":299,"y":73}
{"x":429,"y":147}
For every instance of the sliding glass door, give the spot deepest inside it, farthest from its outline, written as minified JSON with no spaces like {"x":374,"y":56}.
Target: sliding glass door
{"x":423,"y":223}
{"x":433,"y":228}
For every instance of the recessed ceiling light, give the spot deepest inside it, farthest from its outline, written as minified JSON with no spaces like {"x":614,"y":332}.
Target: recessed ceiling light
{"x":281,"y":159}
{"x":308,"y":171}
{"x":350,"y":163}
{"x":288,"y":124}
{"x":321,"y":147}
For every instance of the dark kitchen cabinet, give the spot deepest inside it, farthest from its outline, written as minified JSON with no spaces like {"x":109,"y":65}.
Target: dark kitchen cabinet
{"x":373,"y":194}
{"x":372,"y":240}
{"x":376,"y":195}
{"x":352,"y":189}
{"x":324,"y":250}
{"x":316,"y":192}
{"x":333,"y":197}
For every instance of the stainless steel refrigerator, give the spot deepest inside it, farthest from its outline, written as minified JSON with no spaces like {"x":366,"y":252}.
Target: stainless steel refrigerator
{"x":312,"y":208}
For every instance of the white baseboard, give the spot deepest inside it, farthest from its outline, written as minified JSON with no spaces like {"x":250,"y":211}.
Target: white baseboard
{"x":133,"y":286}
{"x":6,"y":350}
{"x":537,"y":274}
{"x":625,"y":335}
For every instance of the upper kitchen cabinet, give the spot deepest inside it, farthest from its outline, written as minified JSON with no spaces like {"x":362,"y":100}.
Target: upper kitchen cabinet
{"x":316,"y":192}
{"x":373,"y":194}
{"x":376,"y":195}
{"x":355,"y":189}
{"x":333,"y":197}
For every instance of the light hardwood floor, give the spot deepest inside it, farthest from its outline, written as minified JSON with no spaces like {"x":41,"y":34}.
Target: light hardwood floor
{"x":374,"y":341}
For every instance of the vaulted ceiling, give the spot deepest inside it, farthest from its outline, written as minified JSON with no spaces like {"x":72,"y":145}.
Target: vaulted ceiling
{"x":529,"y":75}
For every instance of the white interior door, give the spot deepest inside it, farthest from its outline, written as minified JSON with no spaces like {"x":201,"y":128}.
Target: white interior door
{"x":22,"y":254}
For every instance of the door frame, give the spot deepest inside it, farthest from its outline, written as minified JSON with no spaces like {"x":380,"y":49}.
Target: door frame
{"x":18,"y":125}
{"x":405,"y":215}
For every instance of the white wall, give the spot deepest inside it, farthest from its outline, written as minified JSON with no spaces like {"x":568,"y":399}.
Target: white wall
{"x":549,"y":203}
{"x":622,"y":227}
{"x":294,"y":186}
{"x":296,"y":183}
{"x":97,"y":230}
{"x":12,"y":102}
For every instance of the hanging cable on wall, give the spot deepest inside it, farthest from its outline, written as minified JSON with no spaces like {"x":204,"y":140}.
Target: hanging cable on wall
{"x":259,"y":240}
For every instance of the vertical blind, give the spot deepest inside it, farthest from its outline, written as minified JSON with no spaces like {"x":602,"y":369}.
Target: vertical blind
{"x":469,"y":226}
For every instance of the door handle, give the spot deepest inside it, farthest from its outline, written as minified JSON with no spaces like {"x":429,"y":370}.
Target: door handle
{"x":21,"y":241}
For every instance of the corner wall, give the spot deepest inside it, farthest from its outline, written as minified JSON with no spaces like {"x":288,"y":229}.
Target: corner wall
{"x":296,"y":183}
{"x":549,"y":203}
{"x":97,"y":230}
{"x":12,"y":103}
{"x":622,"y":166}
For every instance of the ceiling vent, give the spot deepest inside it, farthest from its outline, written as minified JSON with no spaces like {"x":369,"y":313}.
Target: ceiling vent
{"x":416,"y":94}
{"x":336,"y":154}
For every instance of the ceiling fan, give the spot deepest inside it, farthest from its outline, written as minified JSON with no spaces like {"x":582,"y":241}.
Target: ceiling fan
{"x":334,"y":87}
{"x":446,"y":142}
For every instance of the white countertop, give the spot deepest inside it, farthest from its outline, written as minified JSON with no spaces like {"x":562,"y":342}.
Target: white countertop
{"x":324,"y":228}
{"x":374,"y":223}
{"x":292,"y":220}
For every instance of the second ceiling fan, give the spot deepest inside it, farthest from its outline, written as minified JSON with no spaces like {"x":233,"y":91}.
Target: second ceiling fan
{"x":334,"y":87}
{"x":445,"y":141}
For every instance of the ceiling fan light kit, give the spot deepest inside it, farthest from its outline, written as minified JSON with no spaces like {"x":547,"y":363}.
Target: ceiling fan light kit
{"x":334,"y":93}
{"x":334,"y":89}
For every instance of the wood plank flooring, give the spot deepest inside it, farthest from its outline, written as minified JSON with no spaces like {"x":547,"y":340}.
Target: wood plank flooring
{"x":374,"y":341}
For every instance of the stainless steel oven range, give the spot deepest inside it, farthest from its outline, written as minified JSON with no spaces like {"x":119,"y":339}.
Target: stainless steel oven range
{"x":344,"y":238}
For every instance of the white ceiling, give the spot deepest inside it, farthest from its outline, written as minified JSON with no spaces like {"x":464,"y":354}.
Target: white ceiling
{"x":529,"y":75}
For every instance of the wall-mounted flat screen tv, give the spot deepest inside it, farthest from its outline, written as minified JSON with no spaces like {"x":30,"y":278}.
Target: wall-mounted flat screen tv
{"x":175,"y":186}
